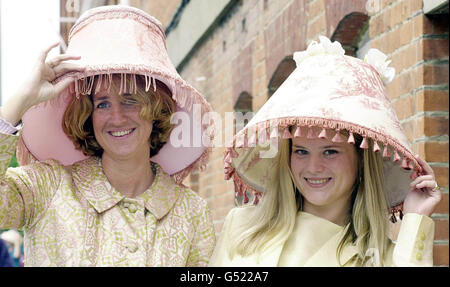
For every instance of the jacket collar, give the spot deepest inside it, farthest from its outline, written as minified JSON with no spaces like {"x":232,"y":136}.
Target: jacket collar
{"x":328,"y":250}
{"x":325,"y":256}
{"x":160,"y":198}
{"x":89,"y":178}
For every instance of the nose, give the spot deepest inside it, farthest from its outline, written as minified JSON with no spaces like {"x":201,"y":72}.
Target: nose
{"x":315,"y":164}
{"x":118,"y":115}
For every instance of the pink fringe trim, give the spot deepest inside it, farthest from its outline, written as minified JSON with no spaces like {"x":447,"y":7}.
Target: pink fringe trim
{"x":364,"y":143}
{"x":200,"y":164}
{"x":252,"y":141}
{"x":323,"y":134}
{"x":182,"y":93}
{"x":351,"y":139}
{"x":410,"y":163}
{"x":396,"y":157}
{"x":338,"y":137}
{"x":396,"y":210}
{"x":286,"y":134}
{"x":376,"y":147}
{"x":298,"y":132}
{"x":274,"y":132}
{"x":241,"y":189}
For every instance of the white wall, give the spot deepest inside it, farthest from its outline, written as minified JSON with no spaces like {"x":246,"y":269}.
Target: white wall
{"x":27,"y":26}
{"x":196,"y":18}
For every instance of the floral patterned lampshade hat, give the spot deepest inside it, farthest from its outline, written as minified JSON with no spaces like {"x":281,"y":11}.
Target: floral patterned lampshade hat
{"x":328,"y":95}
{"x":127,"y":41}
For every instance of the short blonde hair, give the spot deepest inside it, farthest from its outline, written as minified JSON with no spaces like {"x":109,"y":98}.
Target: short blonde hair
{"x":157,"y":106}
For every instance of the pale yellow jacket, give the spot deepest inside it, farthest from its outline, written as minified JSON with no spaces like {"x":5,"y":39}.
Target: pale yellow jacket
{"x":314,"y":242}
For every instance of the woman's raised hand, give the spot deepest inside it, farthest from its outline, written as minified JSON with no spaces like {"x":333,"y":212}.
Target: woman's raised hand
{"x":45,"y":71}
{"x":38,"y":87}
{"x":424,"y":193}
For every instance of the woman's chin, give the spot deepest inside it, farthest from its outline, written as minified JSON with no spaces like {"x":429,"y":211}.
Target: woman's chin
{"x":317,"y":198}
{"x":123,"y":153}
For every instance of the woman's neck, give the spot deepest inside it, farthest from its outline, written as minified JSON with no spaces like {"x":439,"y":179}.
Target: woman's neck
{"x":337,"y":214}
{"x":131,"y":177}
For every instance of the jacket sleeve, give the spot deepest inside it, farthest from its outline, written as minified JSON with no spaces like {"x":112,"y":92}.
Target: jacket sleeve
{"x":414,"y":246}
{"x":25,"y":192}
{"x":204,"y":238}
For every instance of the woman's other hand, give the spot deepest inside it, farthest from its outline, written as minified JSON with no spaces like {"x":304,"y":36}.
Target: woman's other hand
{"x":424,"y":193}
{"x":38,"y":87}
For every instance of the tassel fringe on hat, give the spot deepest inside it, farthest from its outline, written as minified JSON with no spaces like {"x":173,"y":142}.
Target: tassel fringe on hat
{"x":126,"y":41}
{"x":328,"y":95}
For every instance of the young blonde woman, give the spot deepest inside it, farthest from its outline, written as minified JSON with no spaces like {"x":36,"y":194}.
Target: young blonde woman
{"x":98,"y":183}
{"x":343,"y":168}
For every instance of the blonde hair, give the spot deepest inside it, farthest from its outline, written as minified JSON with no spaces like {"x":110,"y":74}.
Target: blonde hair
{"x":273,"y":219}
{"x":156,"y":106}
{"x":368,"y":227}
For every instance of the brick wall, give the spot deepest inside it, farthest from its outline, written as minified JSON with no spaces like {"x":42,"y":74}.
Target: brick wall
{"x":253,"y":43}
{"x":162,"y":10}
{"x":250,"y":47}
{"x":240,"y":56}
{"x":418,"y":47}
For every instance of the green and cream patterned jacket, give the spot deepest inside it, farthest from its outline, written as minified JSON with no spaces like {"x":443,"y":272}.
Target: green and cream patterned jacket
{"x":72,"y":216}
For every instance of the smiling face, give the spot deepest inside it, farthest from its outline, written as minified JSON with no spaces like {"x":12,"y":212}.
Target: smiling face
{"x":324,"y":172}
{"x":118,"y":127}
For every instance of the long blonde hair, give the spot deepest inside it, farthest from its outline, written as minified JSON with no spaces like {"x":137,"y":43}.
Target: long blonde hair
{"x":368,"y":227}
{"x":273,"y":219}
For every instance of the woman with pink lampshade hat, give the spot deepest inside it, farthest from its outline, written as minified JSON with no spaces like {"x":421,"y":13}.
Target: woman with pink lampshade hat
{"x":100,"y":182}
{"x":342,"y":168}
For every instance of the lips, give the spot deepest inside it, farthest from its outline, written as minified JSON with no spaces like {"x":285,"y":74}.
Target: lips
{"x":121,"y":133}
{"x":317,"y":182}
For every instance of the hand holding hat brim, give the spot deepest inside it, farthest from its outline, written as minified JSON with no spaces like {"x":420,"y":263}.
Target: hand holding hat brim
{"x":424,"y":194}
{"x":37,"y":87}
{"x":124,"y":41}
{"x":41,"y":88}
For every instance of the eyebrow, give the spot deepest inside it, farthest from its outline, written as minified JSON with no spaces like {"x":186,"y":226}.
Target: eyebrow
{"x":125,"y":95}
{"x":101,"y":98}
{"x":324,"y":147}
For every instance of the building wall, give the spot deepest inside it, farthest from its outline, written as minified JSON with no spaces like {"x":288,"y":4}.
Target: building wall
{"x":250,"y":49}
{"x":244,"y":51}
{"x":418,"y":47}
{"x":161,"y":10}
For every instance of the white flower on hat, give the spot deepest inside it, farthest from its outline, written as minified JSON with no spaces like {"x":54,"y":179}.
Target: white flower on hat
{"x":324,"y":47}
{"x":377,"y":59}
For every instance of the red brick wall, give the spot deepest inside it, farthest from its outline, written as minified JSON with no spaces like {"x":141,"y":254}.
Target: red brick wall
{"x":161,"y":10}
{"x":238,"y":58}
{"x":418,"y":47}
{"x":416,"y":44}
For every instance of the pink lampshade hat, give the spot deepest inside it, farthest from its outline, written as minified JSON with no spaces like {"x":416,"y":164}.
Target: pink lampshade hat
{"x":127,"y":41}
{"x":328,"y":95}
